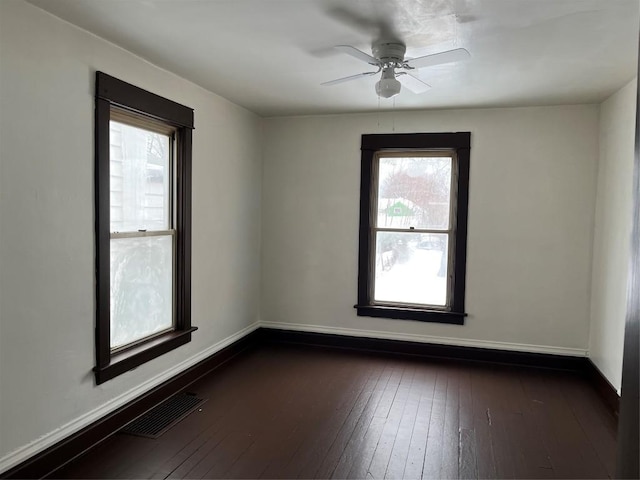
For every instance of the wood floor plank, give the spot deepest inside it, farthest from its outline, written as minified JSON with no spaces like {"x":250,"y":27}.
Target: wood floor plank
{"x":465,"y":401}
{"x":326,"y":419}
{"x":352,"y":451}
{"x":339,"y":418}
{"x":173,"y":448}
{"x":277,"y":420}
{"x":381,"y":438}
{"x":111,"y":450}
{"x":233,"y":404}
{"x":390,"y":391}
{"x":292,"y":412}
{"x":418,"y":444}
{"x":435,"y":438}
{"x":571,"y":455}
{"x":316,"y":399}
{"x":400,"y":451}
{"x":481,"y":393}
{"x":467,"y":463}
{"x":225,"y":455}
{"x":196,"y":464}
{"x":594,"y":417}
{"x":292,"y":424}
{"x":361,"y":458}
{"x":350,"y":426}
{"x":174,"y":456}
{"x":503,"y":413}
{"x":382,"y":455}
{"x":451,"y":434}
{"x":369,"y":446}
{"x":533,"y":454}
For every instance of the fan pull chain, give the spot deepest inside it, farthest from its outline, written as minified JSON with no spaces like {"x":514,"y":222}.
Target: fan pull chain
{"x":393,"y":117}
{"x":455,"y":24}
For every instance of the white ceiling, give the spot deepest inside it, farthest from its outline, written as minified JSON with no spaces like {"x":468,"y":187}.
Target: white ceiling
{"x":270,"y":56}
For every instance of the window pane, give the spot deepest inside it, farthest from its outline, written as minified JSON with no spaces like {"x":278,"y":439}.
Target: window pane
{"x":141,"y":287}
{"x":139,"y":178}
{"x":414,"y":192}
{"x":411,"y":268}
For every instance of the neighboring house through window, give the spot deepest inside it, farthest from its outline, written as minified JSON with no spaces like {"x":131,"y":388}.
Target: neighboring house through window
{"x":413,"y":226}
{"x":143,"y":226}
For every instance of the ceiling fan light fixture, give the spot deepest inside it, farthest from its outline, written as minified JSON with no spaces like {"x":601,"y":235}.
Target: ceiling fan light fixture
{"x":388,"y":86}
{"x":389,"y":57}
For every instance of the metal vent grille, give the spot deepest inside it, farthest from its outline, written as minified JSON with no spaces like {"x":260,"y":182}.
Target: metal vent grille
{"x":164,"y":416}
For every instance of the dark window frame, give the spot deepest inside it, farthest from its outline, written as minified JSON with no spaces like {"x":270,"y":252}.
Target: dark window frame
{"x":111,"y":92}
{"x":372,"y":144}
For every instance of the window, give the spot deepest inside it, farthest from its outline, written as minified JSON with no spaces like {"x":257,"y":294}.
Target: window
{"x":143,"y":226}
{"x":413,"y":226}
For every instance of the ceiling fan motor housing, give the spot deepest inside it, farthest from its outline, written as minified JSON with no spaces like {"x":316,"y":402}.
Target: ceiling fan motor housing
{"x":391,"y":54}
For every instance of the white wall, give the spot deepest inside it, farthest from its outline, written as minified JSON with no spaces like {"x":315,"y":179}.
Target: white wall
{"x":531,"y":210}
{"x":531,"y":224}
{"x":47,"y":241}
{"x":612,"y":232}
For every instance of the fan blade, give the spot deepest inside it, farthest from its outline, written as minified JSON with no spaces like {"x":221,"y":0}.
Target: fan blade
{"x":377,"y":25}
{"x":449,"y":56}
{"x":348,"y":79}
{"x":355,"y":53}
{"x":354,"y":19}
{"x":412,"y":83}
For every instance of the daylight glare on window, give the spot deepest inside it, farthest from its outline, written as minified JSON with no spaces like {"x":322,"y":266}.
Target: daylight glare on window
{"x":139,"y":178}
{"x":141,"y":267}
{"x":141,"y":288}
{"x":412,"y":234}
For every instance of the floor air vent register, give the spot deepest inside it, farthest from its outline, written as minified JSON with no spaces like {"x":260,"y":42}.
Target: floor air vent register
{"x":163,"y":416}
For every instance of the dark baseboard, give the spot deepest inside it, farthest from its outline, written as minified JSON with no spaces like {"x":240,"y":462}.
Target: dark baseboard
{"x":605,"y":389}
{"x":450,"y":353}
{"x":429,"y":350}
{"x":48,"y":461}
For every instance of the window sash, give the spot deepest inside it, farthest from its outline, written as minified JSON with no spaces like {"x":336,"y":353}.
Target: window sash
{"x":154,"y":126}
{"x":375,"y":172}
{"x":133,"y":119}
{"x":450,"y":231}
{"x":142,"y":233}
{"x":148,"y":338}
{"x":141,"y":121}
{"x":154,"y":334}
{"x":449,"y":289}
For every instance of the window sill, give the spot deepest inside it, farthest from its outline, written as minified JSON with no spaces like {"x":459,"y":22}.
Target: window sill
{"x":404,"y":313}
{"x":131,"y":358}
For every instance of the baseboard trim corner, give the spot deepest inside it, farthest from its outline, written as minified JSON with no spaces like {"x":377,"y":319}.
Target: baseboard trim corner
{"x":424,"y":349}
{"x":607,"y":392}
{"x":572,"y":360}
{"x":47,"y":460}
{"x":427,"y":339}
{"x":50,"y":459}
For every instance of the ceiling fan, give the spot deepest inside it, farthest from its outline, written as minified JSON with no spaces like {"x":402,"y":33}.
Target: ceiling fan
{"x":388,"y":58}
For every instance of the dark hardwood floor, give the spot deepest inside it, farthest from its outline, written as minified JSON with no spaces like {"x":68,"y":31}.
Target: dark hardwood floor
{"x":289,"y":412}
